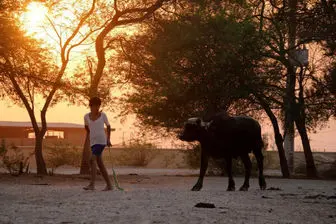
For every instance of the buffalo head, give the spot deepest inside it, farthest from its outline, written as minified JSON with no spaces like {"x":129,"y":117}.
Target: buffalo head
{"x":193,"y":129}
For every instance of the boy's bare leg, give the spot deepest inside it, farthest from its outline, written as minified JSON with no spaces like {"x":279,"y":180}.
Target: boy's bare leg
{"x":93,"y":163}
{"x":102,"y":169}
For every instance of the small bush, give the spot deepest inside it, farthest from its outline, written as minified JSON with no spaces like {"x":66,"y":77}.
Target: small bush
{"x":138,"y":154}
{"x":60,"y":154}
{"x":325,"y":169}
{"x":193,"y":157}
{"x":330,"y":173}
{"x":13,"y":159}
{"x":168,"y":160}
{"x":300,"y":169}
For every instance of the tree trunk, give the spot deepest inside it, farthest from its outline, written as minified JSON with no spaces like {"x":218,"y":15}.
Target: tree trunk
{"x":300,"y":121}
{"x":288,"y":143}
{"x":290,"y":86}
{"x":40,"y":164}
{"x":277,"y":136}
{"x":138,"y":15}
{"x":289,"y":102}
{"x":279,"y":142}
{"x":310,"y":165}
{"x":93,"y":91}
{"x":85,"y":165}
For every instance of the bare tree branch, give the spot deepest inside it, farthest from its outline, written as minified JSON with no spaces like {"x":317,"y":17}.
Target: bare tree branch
{"x":58,"y":34}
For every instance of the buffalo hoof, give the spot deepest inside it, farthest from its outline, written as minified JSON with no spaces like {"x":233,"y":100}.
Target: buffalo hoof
{"x":263,"y":187}
{"x":262,"y":183}
{"x":196,"y":188}
{"x":231,"y":188}
{"x":244,"y":188}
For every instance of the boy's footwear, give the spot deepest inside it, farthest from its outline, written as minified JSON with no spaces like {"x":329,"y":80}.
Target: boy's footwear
{"x":108,"y":188}
{"x":89,"y":188}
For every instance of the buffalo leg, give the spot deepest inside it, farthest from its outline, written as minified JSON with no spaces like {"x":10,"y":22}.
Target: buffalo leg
{"x":260,"y":160}
{"x":204,"y":166}
{"x":231,"y":186}
{"x":248,"y":166}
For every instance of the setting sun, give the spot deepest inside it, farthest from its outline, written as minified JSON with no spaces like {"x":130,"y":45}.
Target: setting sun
{"x":34,"y":17}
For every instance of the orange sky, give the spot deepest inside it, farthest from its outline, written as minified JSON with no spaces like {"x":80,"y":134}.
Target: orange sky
{"x":324,"y":139}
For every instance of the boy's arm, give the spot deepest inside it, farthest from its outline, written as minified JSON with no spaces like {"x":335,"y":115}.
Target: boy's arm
{"x":108,"y":127}
{"x":87,"y":129}
{"x":86,"y":125}
{"x":109,"y":135}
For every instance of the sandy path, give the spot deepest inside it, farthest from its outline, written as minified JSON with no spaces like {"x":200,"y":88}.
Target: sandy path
{"x":164,"y":199}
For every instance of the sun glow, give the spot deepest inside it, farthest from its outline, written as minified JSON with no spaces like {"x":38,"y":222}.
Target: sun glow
{"x":34,"y":17}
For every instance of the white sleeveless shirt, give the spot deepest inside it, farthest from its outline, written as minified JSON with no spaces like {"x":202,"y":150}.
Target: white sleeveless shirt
{"x":97,"y":130}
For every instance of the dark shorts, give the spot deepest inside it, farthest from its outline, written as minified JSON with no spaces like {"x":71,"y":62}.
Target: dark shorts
{"x":97,"y":149}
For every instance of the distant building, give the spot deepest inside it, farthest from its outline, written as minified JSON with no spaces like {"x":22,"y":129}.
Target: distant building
{"x":22,"y":133}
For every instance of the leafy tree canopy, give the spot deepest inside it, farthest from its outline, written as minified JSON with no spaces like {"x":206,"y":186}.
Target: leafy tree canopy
{"x":22,"y":58}
{"x":190,"y":66}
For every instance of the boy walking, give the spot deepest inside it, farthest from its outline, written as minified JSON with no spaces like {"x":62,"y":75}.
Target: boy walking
{"x":94,"y":125}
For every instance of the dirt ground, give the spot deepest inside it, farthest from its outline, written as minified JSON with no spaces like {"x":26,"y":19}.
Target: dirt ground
{"x":164,"y":199}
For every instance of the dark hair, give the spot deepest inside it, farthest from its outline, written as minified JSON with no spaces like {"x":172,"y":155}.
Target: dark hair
{"x":95,"y":101}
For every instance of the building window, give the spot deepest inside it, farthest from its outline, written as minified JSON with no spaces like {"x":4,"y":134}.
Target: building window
{"x":49,"y":134}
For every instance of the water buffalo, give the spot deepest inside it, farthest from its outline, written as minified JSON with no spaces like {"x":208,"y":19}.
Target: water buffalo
{"x":226,"y":137}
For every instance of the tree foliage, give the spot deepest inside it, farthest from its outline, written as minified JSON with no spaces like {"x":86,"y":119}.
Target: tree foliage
{"x":190,"y":66}
{"x":315,"y":27}
{"x":26,"y":65}
{"x":21,"y":59}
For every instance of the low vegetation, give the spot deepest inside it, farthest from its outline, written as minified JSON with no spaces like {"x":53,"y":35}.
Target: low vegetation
{"x":60,"y":154}
{"x":137,"y":153}
{"x":13,"y":159}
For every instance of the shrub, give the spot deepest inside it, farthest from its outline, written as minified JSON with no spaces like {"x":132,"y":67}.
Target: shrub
{"x":137,"y":153}
{"x":60,"y":154}
{"x":193,"y":157}
{"x":168,"y":160}
{"x":326,"y":167}
{"x":13,"y":159}
{"x":330,"y":173}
